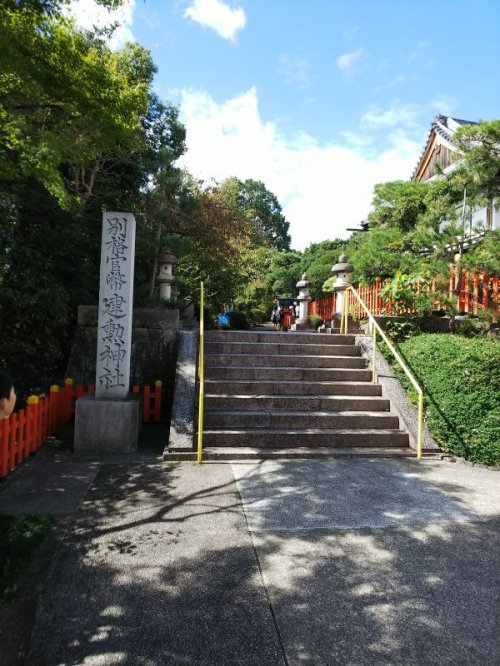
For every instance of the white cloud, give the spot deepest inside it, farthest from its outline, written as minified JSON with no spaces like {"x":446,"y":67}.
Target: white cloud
{"x":219,"y":16}
{"x":349,"y":61}
{"x":323,"y":188}
{"x":398,"y":115}
{"x":296,"y":70}
{"x":88,"y":15}
{"x":444,"y":104}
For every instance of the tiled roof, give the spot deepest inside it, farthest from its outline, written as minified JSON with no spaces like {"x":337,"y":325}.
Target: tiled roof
{"x":444,"y":126}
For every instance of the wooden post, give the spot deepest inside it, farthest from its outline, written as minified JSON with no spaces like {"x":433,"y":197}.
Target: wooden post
{"x":147,"y":403}
{"x":158,"y":387}
{"x":53,"y":409}
{"x":4,"y":446}
{"x":475,"y":302}
{"x":12,"y":441}
{"x":32,"y":434}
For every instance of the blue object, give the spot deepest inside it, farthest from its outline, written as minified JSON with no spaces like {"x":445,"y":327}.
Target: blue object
{"x":223,"y":319}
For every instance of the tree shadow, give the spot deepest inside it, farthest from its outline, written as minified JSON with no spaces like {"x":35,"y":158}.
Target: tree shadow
{"x":161,"y":569}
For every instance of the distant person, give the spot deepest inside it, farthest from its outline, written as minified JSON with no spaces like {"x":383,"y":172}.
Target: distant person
{"x":7,"y":395}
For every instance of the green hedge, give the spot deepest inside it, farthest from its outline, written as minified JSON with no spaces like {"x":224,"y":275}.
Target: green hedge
{"x":19,"y":537}
{"x":461,"y":382}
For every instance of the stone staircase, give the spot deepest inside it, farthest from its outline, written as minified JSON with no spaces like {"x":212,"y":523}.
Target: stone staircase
{"x":271,"y":394}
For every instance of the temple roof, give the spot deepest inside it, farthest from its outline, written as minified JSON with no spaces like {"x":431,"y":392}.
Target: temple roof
{"x":443,"y":127}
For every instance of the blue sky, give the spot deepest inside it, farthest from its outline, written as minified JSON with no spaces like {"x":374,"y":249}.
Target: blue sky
{"x":319,"y":99}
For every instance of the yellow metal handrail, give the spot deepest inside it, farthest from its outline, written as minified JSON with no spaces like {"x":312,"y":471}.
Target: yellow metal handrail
{"x":201,"y":377}
{"x":375,"y":327}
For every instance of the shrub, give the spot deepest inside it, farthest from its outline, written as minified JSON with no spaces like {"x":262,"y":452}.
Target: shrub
{"x":461,"y":382}
{"x":19,"y":537}
{"x":314,"y":320}
{"x":237,"y":320}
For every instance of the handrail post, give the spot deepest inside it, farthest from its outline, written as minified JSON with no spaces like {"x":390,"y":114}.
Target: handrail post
{"x":376,"y":328}
{"x":420,"y":424}
{"x":201,"y":377}
{"x":374,"y":352}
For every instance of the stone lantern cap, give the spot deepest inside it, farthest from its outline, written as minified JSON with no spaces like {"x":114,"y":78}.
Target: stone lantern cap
{"x":342,"y":266}
{"x":304,"y":282}
{"x":166,"y":258}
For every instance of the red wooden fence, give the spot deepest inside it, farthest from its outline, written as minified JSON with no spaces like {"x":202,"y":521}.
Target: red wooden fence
{"x":23,"y":432}
{"x":476,"y":292}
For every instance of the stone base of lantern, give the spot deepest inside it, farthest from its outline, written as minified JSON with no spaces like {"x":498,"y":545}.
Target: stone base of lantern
{"x":107,"y":425}
{"x":303,"y":326}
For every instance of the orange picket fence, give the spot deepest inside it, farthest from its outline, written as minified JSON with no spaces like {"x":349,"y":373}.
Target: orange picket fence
{"x":473,"y":293}
{"x":23,"y":432}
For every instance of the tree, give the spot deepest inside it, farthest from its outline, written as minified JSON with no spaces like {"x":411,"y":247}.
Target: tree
{"x":68,"y":105}
{"x":317,"y":262}
{"x":262,"y":208}
{"x":398,"y":204}
{"x":284,"y":272}
{"x":81,"y":134}
{"x":219,"y":237}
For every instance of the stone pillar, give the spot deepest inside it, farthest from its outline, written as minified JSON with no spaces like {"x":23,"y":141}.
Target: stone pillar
{"x":109,"y":421}
{"x":343,"y":270}
{"x":165,"y":277}
{"x":303,"y":299}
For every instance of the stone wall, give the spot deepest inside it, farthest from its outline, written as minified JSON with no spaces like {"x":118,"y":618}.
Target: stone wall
{"x":154,"y":346}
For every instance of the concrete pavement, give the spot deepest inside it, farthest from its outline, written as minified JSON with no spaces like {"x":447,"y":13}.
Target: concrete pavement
{"x":293,"y":562}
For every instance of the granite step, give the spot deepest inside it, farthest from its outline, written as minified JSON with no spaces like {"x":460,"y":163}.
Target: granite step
{"x":311,"y":437}
{"x":341,"y":403}
{"x":287,"y":374}
{"x":289,"y":388}
{"x":290,"y":337}
{"x":286,"y":348}
{"x":298,"y":452}
{"x":285,"y":361}
{"x":300,"y":420}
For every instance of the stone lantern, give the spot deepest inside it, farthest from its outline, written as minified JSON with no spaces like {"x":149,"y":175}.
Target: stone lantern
{"x":343,"y":271}
{"x":165,"y":276}
{"x":303,"y":299}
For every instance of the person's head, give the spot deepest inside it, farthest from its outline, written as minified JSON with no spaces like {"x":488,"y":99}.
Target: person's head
{"x":7,"y":395}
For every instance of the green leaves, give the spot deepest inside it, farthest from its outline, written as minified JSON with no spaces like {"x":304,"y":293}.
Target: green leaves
{"x":461,"y":382}
{"x":66,"y":101}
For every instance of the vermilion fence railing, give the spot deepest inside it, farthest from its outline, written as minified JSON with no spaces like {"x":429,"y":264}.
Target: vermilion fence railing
{"x":473,"y":292}
{"x":23,"y":432}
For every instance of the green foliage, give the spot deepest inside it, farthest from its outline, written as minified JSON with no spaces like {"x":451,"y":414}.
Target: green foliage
{"x":461,"y":381}
{"x":68,"y":105}
{"x":485,"y":257}
{"x":237,"y":320}
{"x":317,"y":262}
{"x":284,"y":272}
{"x":399,"y":293}
{"x":380,"y":253}
{"x":400,"y":329}
{"x":398,"y":204}
{"x":480,"y":169}
{"x":19,"y":537}
{"x":80,"y":132}
{"x":314,"y":320}
{"x":262,"y":208}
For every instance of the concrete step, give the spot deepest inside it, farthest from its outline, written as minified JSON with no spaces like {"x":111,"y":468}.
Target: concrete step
{"x":292,"y":337}
{"x":342,"y":403}
{"x":288,"y":374}
{"x":286,"y":348}
{"x":312,"y":437}
{"x":255,"y":453}
{"x":290,"y":388}
{"x":281,"y":360}
{"x":300,"y":420}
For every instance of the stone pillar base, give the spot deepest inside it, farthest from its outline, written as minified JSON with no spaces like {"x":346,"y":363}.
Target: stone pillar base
{"x":304,"y":326}
{"x":107,"y":425}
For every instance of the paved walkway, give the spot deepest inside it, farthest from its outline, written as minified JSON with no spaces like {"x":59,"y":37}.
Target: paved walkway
{"x":294,"y":562}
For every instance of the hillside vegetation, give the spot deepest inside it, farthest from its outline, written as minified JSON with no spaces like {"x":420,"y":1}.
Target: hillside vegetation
{"x":461,"y":381}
